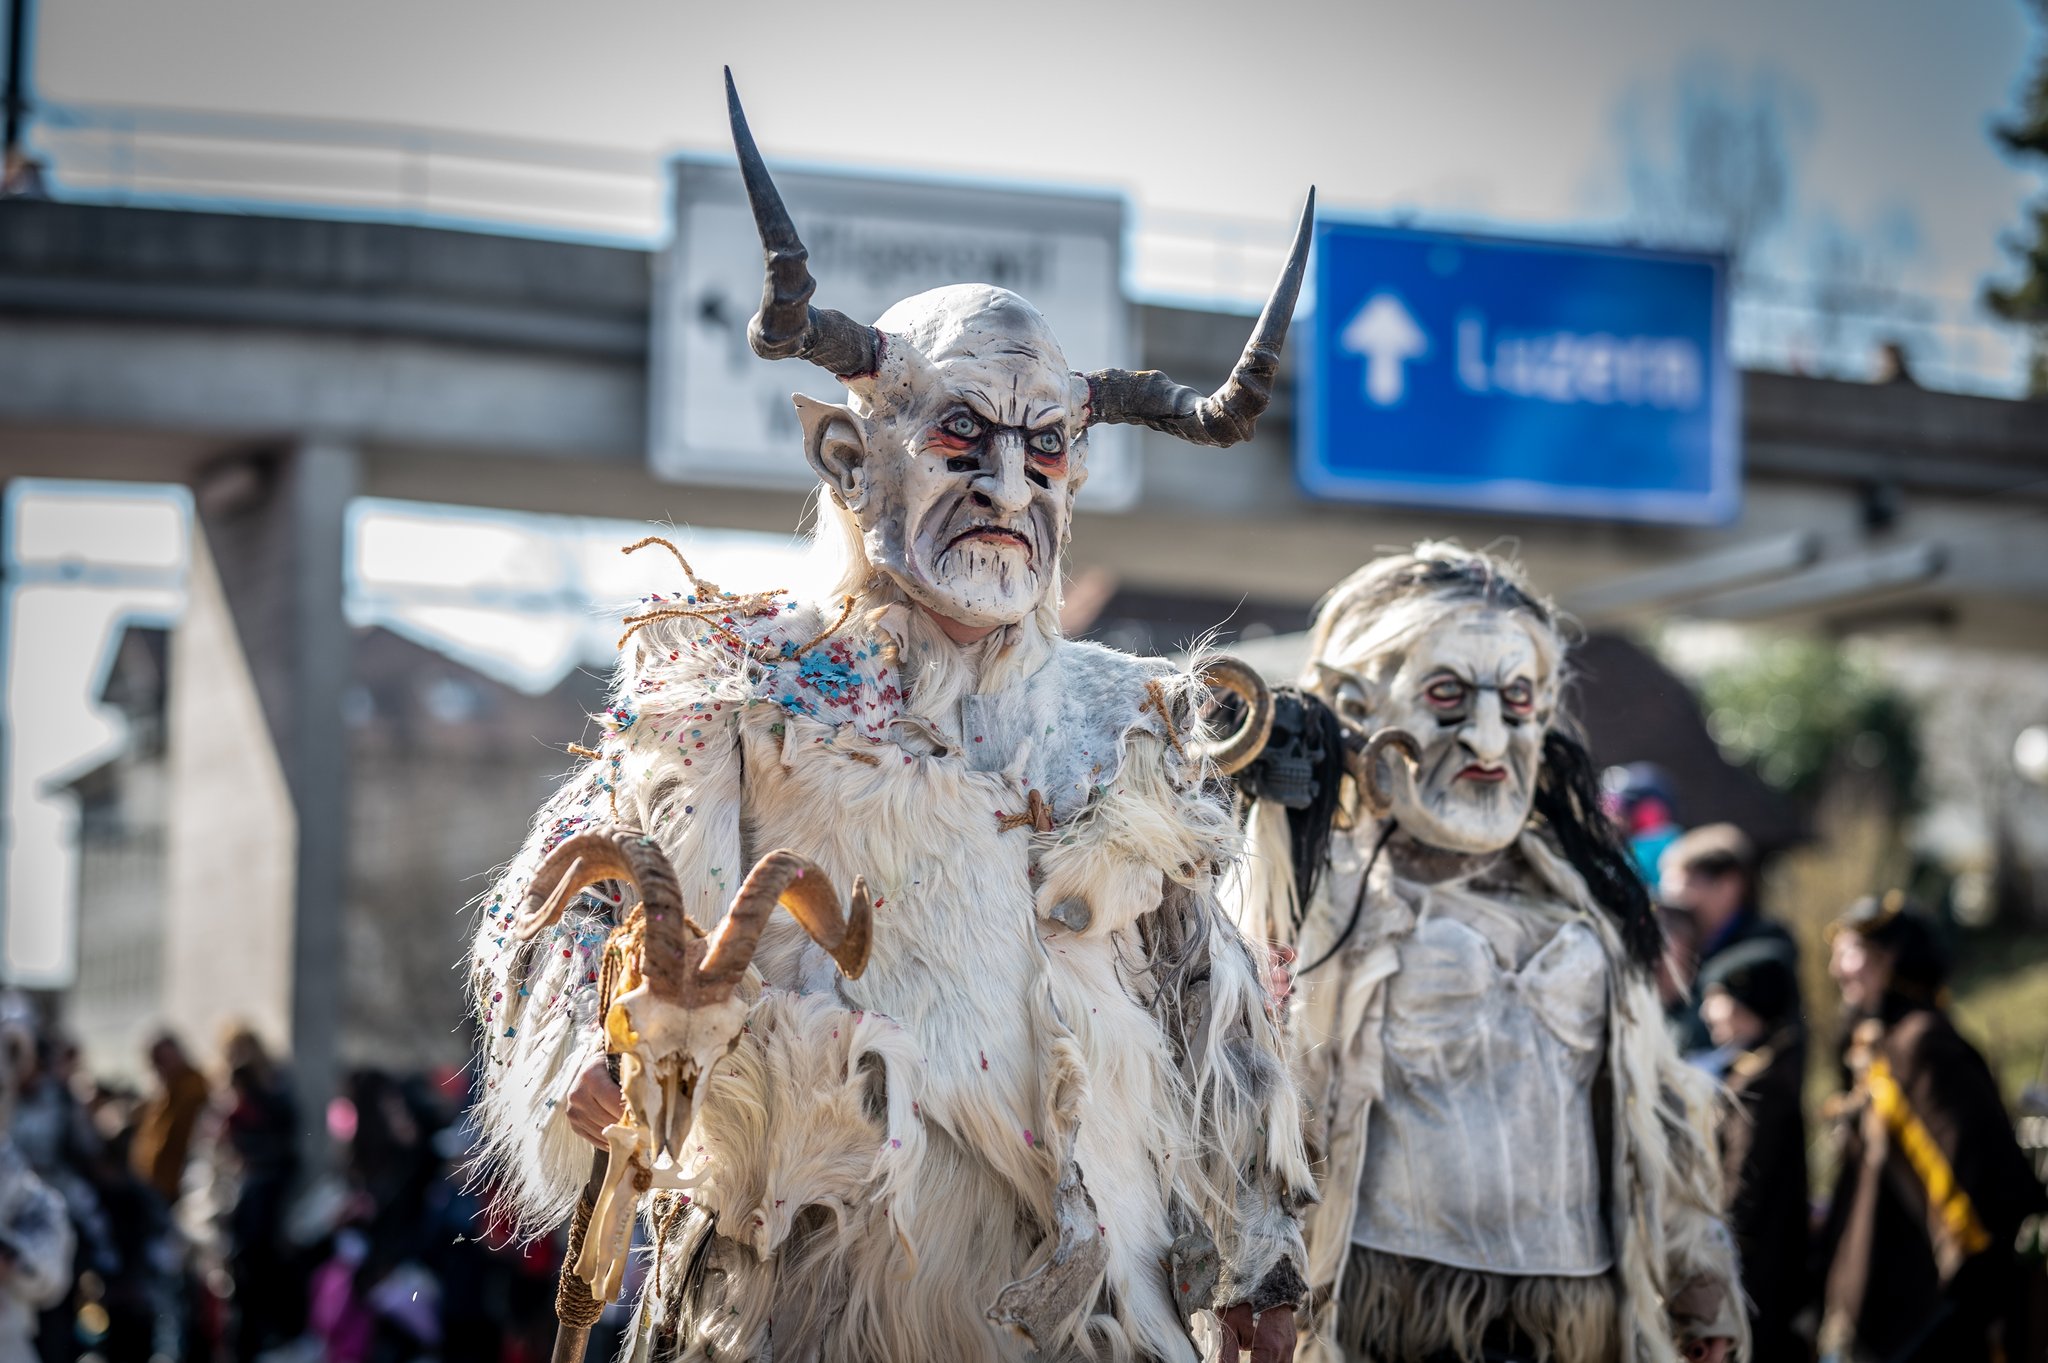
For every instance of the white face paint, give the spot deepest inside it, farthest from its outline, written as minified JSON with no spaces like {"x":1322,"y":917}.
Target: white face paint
{"x":972,"y":455}
{"x":1477,"y":694}
{"x":984,"y":492}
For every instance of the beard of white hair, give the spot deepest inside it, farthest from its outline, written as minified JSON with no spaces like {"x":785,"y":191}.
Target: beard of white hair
{"x":1460,"y":816}
{"x":997,"y":576}
{"x":839,"y":566}
{"x":1360,"y":652}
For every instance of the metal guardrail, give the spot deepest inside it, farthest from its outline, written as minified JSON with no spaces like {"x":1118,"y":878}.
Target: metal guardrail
{"x":196,"y":158}
{"x":124,"y":154}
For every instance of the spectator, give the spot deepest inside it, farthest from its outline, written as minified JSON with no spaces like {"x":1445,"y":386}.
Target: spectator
{"x":1676,"y":970}
{"x":1918,"y":1244}
{"x":258,"y":1144}
{"x":1710,"y":873}
{"x":415,"y":1262}
{"x":35,"y":1233}
{"x":54,"y":1133}
{"x":1642,"y":804}
{"x":163,"y":1134}
{"x":131,"y":1312}
{"x":1749,"y":998}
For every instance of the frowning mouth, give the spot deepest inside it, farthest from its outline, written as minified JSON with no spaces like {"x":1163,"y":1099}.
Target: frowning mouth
{"x":1486,"y":775}
{"x":993,"y":534}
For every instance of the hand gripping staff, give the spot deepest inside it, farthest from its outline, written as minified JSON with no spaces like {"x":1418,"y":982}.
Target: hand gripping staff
{"x":667,"y":998}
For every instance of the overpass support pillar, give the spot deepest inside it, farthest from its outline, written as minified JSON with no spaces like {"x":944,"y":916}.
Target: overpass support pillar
{"x":258,"y":840}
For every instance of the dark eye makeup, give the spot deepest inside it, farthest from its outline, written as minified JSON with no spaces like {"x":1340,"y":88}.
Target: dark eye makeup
{"x":1045,"y":450}
{"x":1445,"y":691}
{"x":1451,"y":695}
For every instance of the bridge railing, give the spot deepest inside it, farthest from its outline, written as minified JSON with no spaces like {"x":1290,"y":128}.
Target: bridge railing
{"x":197,"y":158}
{"x":128,"y":154}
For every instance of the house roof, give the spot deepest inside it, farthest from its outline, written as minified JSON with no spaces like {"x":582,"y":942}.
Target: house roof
{"x":137,"y":671}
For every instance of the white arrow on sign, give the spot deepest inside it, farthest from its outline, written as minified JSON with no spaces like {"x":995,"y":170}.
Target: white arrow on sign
{"x":1388,"y":338}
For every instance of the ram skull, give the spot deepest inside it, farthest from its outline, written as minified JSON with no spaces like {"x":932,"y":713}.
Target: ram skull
{"x":672,"y":1009}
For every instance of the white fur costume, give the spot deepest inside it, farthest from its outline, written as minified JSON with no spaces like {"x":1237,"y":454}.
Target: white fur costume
{"x":1662,"y":1181}
{"x":1052,"y":1117}
{"x":1453,"y":649}
{"x":881,"y":1157}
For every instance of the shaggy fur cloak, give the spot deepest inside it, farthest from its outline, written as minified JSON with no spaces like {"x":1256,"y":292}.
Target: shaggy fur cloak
{"x":1054,"y":1104}
{"x":1671,"y":1246}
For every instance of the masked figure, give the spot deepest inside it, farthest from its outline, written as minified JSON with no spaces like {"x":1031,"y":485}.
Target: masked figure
{"x":1051,"y":1118}
{"x":1513,"y":1162}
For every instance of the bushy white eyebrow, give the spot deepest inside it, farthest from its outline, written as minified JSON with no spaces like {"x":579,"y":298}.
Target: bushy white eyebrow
{"x":984,"y":406}
{"x":996,"y":413}
{"x":1525,"y":669}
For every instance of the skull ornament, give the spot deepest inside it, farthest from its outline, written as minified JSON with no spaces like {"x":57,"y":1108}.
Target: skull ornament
{"x":965,"y":438}
{"x":674,"y":1008}
{"x":1287,"y":768}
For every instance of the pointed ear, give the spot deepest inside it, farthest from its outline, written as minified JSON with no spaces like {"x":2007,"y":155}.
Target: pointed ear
{"x":1353,"y":697}
{"x":836,"y":444}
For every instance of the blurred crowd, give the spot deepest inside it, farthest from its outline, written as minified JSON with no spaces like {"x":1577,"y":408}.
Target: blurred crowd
{"x":178,"y":1223}
{"x":1929,"y":1242}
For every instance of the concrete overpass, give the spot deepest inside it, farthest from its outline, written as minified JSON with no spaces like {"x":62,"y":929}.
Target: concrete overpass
{"x":495,"y":370}
{"x":281,"y":366}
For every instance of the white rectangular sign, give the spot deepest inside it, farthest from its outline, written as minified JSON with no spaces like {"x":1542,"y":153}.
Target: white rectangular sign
{"x":720,"y":414}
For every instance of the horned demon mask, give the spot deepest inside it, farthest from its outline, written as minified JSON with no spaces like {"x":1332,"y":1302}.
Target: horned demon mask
{"x":965,"y":437}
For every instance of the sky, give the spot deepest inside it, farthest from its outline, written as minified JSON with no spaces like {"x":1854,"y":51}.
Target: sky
{"x":1483,"y":110}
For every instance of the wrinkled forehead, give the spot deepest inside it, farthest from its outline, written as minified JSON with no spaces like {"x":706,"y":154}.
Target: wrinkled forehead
{"x":990,"y":349}
{"x":1425,"y":634}
{"x":1478,"y":640}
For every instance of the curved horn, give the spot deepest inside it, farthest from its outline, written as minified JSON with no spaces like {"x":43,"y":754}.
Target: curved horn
{"x":801,"y":886}
{"x":588,"y":859}
{"x":787,"y":325}
{"x":1379,"y":799}
{"x":1235,"y":753}
{"x":1227,"y":416}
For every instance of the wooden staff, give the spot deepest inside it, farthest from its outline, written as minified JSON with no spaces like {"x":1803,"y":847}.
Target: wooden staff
{"x":576,"y":1310}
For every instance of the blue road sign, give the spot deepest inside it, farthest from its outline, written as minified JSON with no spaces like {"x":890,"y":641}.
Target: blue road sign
{"x":1487,"y":374}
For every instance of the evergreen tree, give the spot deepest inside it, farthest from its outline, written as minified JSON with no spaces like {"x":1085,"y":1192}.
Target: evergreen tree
{"x":2025,"y":136}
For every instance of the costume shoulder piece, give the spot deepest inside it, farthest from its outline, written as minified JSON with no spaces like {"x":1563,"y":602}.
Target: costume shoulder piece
{"x":688,"y":650}
{"x":1101,"y":699}
{"x":834,"y":676}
